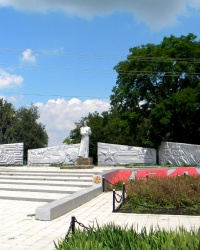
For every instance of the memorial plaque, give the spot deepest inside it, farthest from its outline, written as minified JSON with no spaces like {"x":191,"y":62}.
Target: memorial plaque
{"x":113,"y":154}
{"x":179,"y":154}
{"x":11,"y":154}
{"x":65,"y":154}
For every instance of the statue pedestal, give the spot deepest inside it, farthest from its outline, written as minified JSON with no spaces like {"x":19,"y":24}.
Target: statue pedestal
{"x":81,"y":163}
{"x":84,"y":161}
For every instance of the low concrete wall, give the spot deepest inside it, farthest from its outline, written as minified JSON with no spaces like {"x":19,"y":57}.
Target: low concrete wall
{"x":11,"y":154}
{"x":62,"y":206}
{"x":113,"y":155}
{"x":65,"y":154}
{"x":179,"y":154}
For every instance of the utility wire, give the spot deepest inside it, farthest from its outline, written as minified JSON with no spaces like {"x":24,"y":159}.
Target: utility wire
{"x":52,"y":95}
{"x":108,"y":56}
{"x":104,"y":71}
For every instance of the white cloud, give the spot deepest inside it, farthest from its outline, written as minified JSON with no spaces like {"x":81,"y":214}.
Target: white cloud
{"x":155,"y":13}
{"x":8,"y":80}
{"x":12,"y":99}
{"x":194,"y":3}
{"x":59,"y":116}
{"x":27,"y":56}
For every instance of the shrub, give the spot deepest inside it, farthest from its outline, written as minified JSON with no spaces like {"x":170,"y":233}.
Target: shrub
{"x":179,"y":192}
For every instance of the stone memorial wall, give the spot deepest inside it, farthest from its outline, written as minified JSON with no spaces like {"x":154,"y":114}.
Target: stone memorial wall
{"x":11,"y":154}
{"x":179,"y":154}
{"x":65,"y":154}
{"x":113,"y":154}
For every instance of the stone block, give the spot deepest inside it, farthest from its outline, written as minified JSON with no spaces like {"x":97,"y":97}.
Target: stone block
{"x":65,"y":154}
{"x":179,"y":154}
{"x":84,"y":161}
{"x":62,"y":206}
{"x":11,"y":154}
{"x":113,"y":154}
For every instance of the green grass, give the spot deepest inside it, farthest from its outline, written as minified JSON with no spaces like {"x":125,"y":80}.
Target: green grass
{"x":112,"y":237}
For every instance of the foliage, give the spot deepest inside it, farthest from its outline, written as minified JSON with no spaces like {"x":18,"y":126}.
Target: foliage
{"x":117,"y":186}
{"x":67,"y":141}
{"x":156,"y":97}
{"x":107,"y":128}
{"x":157,"y":91}
{"x":7,"y":121}
{"x":180,"y":194}
{"x":111,"y":236}
{"x":21,"y":126}
{"x":177,"y":118}
{"x":28,"y":130}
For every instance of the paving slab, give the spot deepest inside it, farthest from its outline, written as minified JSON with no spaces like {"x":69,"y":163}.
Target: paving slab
{"x":20,"y":229}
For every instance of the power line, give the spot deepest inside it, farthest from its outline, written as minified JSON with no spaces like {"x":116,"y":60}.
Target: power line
{"x":53,"y":68}
{"x":158,"y":74}
{"x":52,"y":95}
{"x":104,"y":71}
{"x":111,"y":56}
{"x":60,"y":53}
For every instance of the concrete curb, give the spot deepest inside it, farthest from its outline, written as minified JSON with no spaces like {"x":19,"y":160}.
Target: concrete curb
{"x":62,"y":206}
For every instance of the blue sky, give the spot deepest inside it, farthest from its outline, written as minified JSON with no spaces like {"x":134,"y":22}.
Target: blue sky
{"x":60,"y":55}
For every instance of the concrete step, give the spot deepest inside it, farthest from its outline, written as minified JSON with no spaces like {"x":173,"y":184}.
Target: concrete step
{"x":9,"y":173}
{"x":39,"y":188}
{"x":25,"y":199}
{"x":40,"y":196}
{"x":4,"y":170}
{"x":40,"y":185}
{"x":47,"y":183}
{"x":44,"y":178}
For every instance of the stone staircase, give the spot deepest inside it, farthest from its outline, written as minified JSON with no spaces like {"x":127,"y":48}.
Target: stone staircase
{"x":41,"y":185}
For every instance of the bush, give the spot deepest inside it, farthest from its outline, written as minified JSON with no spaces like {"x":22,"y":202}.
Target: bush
{"x":179,"y":193}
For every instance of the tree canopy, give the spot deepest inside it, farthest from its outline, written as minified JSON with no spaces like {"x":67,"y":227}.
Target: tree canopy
{"x":21,"y":125}
{"x":156,"y":97}
{"x":157,"y":91}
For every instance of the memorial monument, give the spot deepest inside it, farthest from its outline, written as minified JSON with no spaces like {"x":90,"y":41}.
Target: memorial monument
{"x":63,"y":155}
{"x":180,"y":154}
{"x":83,"y":155}
{"x":11,"y":154}
{"x":85,"y":132}
{"x":115,"y":155}
{"x":73,"y":154}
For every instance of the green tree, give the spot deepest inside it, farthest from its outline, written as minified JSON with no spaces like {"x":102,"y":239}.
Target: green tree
{"x":21,"y":126}
{"x":67,"y":141}
{"x":106,"y":127}
{"x":7,"y":121}
{"x":177,"y":118}
{"x":150,"y":93}
{"x":28,"y":130}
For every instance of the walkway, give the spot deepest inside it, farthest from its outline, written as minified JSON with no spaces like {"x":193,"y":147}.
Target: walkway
{"x":20,"y":231}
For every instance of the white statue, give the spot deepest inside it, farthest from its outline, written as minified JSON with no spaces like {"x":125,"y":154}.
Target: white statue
{"x":84,"y":146}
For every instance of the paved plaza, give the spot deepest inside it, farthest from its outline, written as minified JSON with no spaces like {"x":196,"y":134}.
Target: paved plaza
{"x":20,"y":230}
